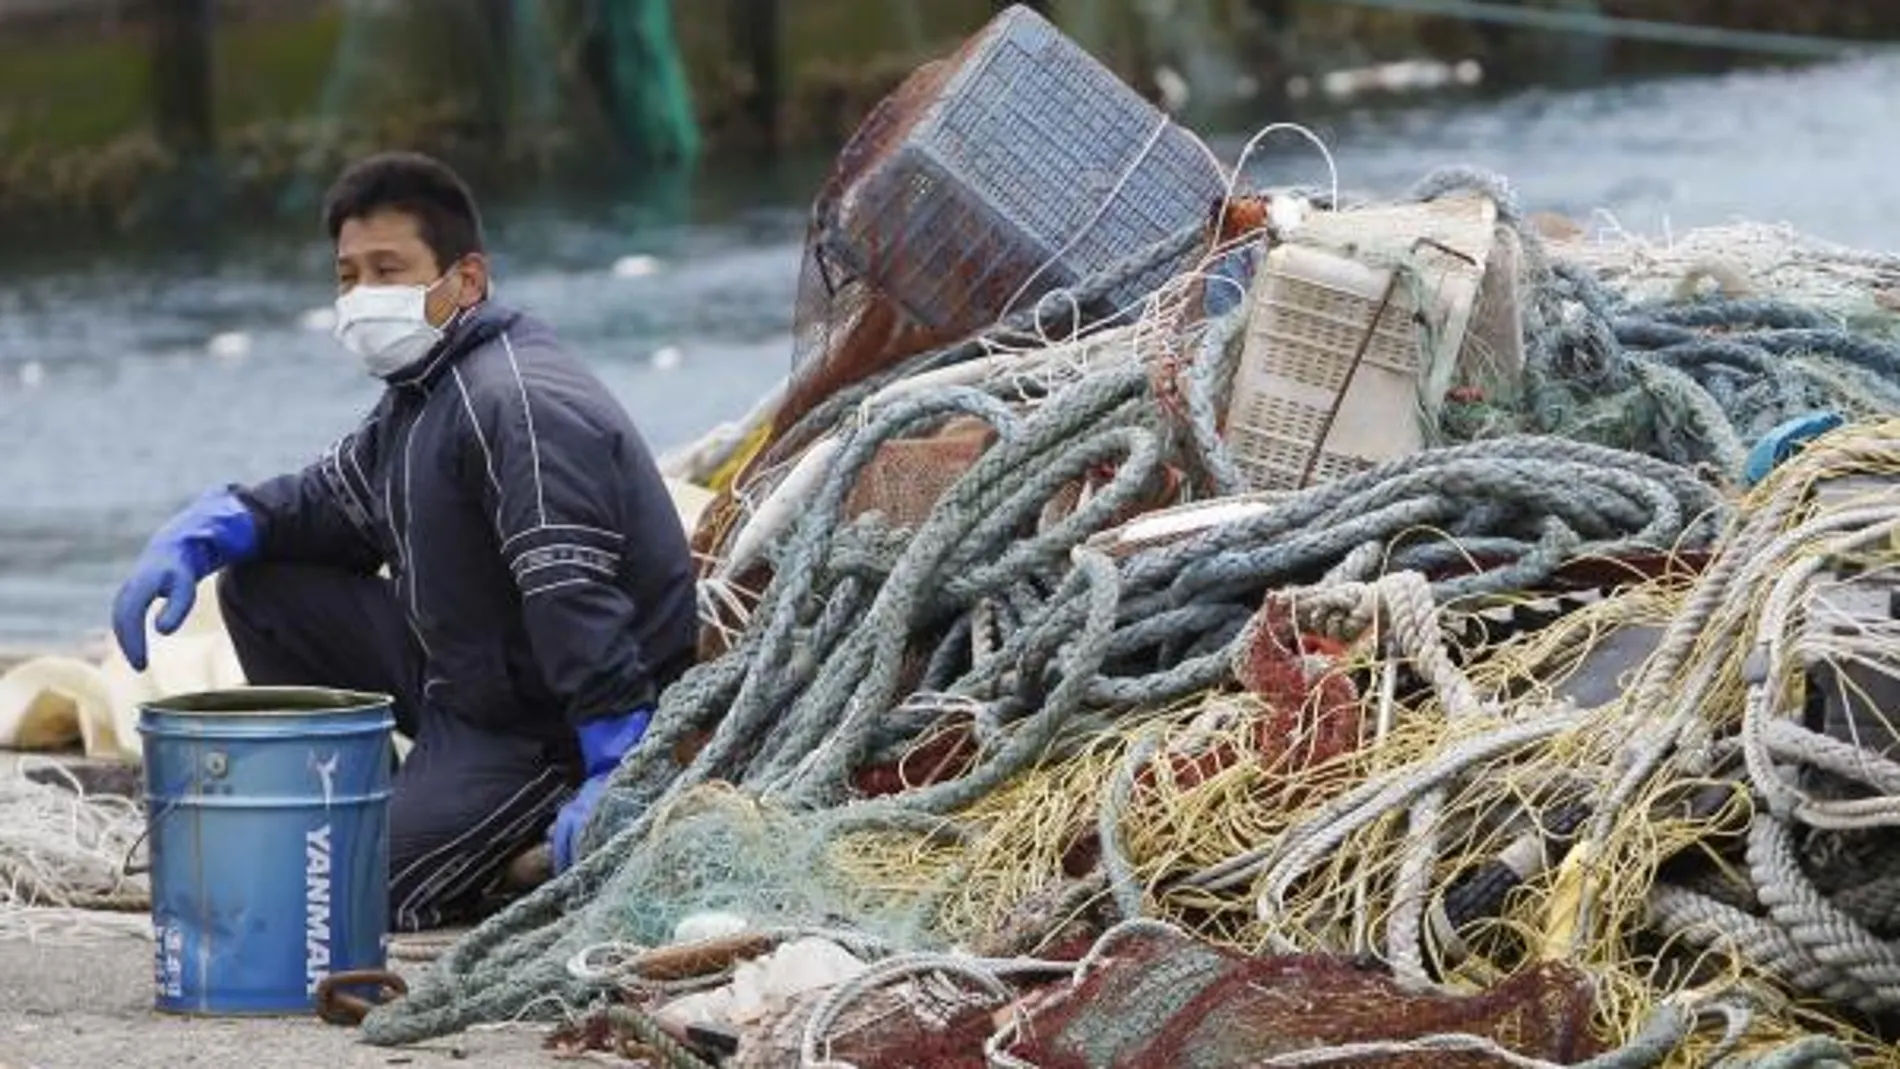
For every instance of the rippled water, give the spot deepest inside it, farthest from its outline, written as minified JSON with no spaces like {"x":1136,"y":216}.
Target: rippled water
{"x":115,"y":405}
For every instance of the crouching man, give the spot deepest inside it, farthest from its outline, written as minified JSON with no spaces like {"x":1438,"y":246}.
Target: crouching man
{"x":493,"y":546}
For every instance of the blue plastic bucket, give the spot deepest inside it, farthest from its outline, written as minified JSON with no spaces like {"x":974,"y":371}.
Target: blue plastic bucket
{"x":267,"y":814}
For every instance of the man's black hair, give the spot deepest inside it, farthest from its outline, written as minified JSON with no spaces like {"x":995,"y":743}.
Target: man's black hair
{"x":417,"y":185}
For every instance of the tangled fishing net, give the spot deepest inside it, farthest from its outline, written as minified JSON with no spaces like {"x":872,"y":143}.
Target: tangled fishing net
{"x":1623,"y":347}
{"x":1515,"y":746}
{"x":1165,"y":999}
{"x":1041,"y":700}
{"x":1854,"y":288}
{"x":62,"y":860}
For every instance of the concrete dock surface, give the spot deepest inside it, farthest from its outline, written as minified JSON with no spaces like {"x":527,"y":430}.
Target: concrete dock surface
{"x":90,"y":1007}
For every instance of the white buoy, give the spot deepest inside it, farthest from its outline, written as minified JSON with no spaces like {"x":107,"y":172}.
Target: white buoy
{"x":636,"y":266}
{"x":318,"y":320}
{"x":231,"y":345}
{"x":32,"y":373}
{"x":667,"y":358}
{"x":707,"y":926}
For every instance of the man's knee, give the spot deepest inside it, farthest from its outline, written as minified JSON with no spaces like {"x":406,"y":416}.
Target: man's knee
{"x":257,"y":601}
{"x":442,"y":882}
{"x":258,"y":593}
{"x":450,"y":840}
{"x":242,"y":588}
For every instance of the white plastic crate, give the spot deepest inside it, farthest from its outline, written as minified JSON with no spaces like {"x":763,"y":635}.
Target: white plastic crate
{"x":1323,"y":390}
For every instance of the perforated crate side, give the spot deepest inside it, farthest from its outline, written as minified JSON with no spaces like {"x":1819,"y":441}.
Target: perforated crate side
{"x":1313,"y":331}
{"x":1302,"y":411}
{"x":1019,"y":151}
{"x":1448,"y":244}
{"x":1032,"y":102}
{"x":939,"y":255}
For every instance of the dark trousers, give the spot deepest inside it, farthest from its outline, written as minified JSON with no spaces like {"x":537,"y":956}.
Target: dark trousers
{"x":465,"y":801}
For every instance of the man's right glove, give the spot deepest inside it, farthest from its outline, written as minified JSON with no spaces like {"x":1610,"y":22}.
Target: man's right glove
{"x":214,"y":531}
{"x":604,"y":743}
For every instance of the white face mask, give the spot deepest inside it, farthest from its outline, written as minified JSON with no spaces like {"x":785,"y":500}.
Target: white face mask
{"x":387,"y":327}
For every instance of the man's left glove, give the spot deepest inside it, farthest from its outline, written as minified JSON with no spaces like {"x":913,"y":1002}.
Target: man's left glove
{"x":213,"y":531}
{"x":603,"y":743}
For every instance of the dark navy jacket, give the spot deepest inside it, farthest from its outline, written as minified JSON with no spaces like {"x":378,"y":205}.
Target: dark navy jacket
{"x":530,"y":538}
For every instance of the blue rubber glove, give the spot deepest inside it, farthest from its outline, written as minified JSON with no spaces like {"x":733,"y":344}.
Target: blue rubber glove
{"x":210,"y":533}
{"x":603,"y":743}
{"x":1784,"y":441}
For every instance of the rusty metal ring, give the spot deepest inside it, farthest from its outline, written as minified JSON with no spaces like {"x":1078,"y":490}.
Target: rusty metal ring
{"x":343,"y":1008}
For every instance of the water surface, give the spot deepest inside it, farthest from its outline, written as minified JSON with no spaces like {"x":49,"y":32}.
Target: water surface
{"x":116,"y":405}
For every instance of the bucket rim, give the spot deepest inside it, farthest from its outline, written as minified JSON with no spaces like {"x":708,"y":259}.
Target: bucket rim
{"x":269,"y":700}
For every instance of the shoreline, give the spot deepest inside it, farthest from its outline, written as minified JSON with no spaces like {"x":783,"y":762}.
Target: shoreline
{"x":90,"y":154}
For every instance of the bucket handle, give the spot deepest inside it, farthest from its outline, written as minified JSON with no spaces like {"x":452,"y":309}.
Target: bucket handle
{"x":126,"y":867}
